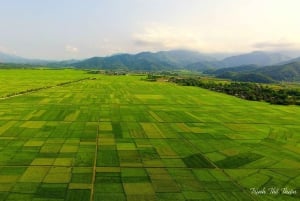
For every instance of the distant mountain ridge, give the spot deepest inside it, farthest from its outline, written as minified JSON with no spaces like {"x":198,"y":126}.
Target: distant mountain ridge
{"x":163,"y":60}
{"x":288,"y":72}
{"x":297,"y":59}
{"x":257,"y":58}
{"x":10,"y":58}
{"x":176,"y":59}
{"x":237,"y":69}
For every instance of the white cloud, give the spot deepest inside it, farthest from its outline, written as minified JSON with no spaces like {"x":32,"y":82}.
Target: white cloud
{"x":71,"y":49}
{"x":158,"y":36}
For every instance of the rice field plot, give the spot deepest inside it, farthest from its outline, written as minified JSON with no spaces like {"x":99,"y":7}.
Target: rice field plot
{"x":121,"y":138}
{"x":17,"y":80}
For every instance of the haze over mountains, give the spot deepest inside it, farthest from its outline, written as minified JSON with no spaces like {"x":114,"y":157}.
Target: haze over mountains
{"x":251,"y":73}
{"x":162,"y":60}
{"x":255,"y":66}
{"x":177,"y":59}
{"x":10,"y":58}
{"x":165,"y":59}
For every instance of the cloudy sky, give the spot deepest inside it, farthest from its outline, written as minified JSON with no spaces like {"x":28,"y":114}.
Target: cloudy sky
{"x":64,"y":29}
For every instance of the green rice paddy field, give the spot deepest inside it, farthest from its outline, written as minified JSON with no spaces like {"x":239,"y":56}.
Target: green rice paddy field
{"x":120,"y":138}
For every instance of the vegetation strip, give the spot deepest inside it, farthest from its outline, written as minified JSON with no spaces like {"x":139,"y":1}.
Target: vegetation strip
{"x":246,"y":90}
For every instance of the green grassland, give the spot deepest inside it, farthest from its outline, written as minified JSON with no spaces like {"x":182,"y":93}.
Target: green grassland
{"x":16,"y":80}
{"x":121,"y":138}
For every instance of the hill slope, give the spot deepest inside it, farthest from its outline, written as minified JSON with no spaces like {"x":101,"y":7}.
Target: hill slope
{"x":287,"y":72}
{"x":9,"y":58}
{"x":290,"y":61}
{"x":13,"y":59}
{"x":145,"y":61}
{"x":253,"y":58}
{"x":256,"y":58}
{"x":238,"y":69}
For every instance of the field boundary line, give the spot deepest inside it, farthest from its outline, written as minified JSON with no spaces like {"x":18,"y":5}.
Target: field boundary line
{"x":95,"y":164}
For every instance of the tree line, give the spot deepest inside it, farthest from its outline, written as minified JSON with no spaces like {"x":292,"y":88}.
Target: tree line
{"x":245,"y":90}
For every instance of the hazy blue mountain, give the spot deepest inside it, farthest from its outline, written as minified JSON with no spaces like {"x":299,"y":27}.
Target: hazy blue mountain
{"x":294,"y":60}
{"x":183,"y":57}
{"x":126,"y":62}
{"x":287,"y":72}
{"x":64,"y":63}
{"x":257,"y":58}
{"x":17,"y":65}
{"x":166,"y":60}
{"x":205,"y":65}
{"x":247,"y":77}
{"x":145,"y":60}
{"x":9,"y":58}
{"x":238,"y":69}
{"x":253,"y":58}
{"x":290,"y":61}
{"x":292,"y":53}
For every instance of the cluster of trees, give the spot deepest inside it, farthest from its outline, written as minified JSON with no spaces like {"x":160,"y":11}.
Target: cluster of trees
{"x":152,"y":77}
{"x":246,"y":90}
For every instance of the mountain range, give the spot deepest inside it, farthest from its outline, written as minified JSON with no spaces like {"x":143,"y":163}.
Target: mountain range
{"x":178,"y":59}
{"x":252,"y":73}
{"x":255,"y":66}
{"x":164,"y":59}
{"x":10,"y":58}
{"x":258,"y":58}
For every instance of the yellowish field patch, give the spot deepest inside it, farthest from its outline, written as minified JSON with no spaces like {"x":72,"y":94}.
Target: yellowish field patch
{"x":5,"y":187}
{"x":80,"y":186}
{"x":58,"y":175}
{"x":33,"y":124}
{"x":155,"y":116}
{"x":106,"y":141}
{"x":69,"y":148}
{"x":108,"y":169}
{"x":151,"y":130}
{"x":105,"y":126}
{"x":34,"y":143}
{"x":6,"y":126}
{"x":73,"y":116}
{"x":34,"y":174}
{"x":8,"y":178}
